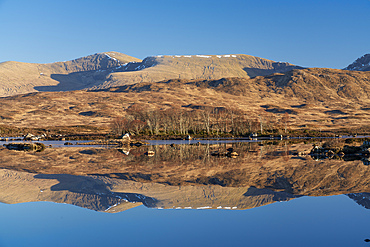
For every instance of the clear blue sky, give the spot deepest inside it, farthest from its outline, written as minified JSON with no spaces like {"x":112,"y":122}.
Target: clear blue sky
{"x":304,"y":32}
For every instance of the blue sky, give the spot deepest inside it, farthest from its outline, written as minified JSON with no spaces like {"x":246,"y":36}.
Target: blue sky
{"x":309,"y":33}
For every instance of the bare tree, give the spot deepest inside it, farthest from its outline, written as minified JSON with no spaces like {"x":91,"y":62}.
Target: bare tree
{"x":119,"y":125}
{"x":285,"y":120}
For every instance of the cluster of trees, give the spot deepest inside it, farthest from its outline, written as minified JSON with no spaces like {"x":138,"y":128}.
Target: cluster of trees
{"x":209,"y":121}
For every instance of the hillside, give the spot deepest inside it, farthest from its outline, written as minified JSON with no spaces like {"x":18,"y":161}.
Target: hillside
{"x":322,"y":99}
{"x":108,"y":69}
{"x":361,"y":64}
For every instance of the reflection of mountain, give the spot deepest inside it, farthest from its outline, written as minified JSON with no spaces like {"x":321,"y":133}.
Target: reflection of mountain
{"x":180,"y":175}
{"x":114,"y":195}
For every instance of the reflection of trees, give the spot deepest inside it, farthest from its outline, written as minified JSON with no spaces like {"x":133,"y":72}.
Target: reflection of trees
{"x":262,"y":165}
{"x":259,"y":164}
{"x":185,"y":157}
{"x":184,"y":153}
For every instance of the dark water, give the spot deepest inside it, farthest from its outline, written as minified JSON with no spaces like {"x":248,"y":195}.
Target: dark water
{"x":266,"y":196}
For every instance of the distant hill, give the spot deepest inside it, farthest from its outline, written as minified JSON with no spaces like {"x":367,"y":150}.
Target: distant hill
{"x":361,"y":64}
{"x":104,"y":70}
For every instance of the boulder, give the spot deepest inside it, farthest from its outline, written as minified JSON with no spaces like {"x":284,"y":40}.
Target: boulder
{"x":126,"y":137}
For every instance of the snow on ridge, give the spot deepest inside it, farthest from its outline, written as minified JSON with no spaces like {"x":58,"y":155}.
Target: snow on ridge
{"x":200,"y":56}
{"x":112,"y":58}
{"x":230,"y":55}
{"x":140,"y":67}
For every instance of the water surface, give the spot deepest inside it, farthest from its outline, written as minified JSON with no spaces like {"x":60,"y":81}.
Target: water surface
{"x":183,"y":195}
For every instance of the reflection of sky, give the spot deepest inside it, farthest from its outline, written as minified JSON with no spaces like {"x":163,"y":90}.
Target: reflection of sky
{"x":307,"y":221}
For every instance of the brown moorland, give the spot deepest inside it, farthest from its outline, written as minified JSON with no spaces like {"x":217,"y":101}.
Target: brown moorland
{"x":314,"y":99}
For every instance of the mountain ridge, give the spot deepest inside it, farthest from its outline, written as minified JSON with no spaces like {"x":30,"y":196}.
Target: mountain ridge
{"x":104,"y":70}
{"x":20,"y":77}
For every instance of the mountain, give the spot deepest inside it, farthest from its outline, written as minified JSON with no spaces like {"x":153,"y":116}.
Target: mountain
{"x":361,"y":64}
{"x":153,"y":69}
{"x":109,"y":69}
{"x":19,"y":78}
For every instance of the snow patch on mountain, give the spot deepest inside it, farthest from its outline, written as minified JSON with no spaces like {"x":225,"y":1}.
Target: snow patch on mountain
{"x":197,"y":56}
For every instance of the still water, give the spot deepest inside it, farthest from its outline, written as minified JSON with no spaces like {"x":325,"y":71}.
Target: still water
{"x":183,"y":195}
{"x":307,"y":221}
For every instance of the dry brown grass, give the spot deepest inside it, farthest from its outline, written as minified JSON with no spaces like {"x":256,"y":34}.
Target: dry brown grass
{"x":324,"y":107}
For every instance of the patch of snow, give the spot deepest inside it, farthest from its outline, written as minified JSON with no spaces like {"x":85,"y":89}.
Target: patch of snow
{"x":186,"y":56}
{"x":206,"y":207}
{"x":112,"y":58}
{"x":140,"y":67}
{"x":203,"y":56}
{"x":187,"y":207}
{"x":219,"y":207}
{"x":220,"y":56}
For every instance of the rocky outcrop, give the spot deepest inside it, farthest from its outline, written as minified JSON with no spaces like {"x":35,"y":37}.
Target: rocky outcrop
{"x":361,"y":64}
{"x":334,"y":149}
